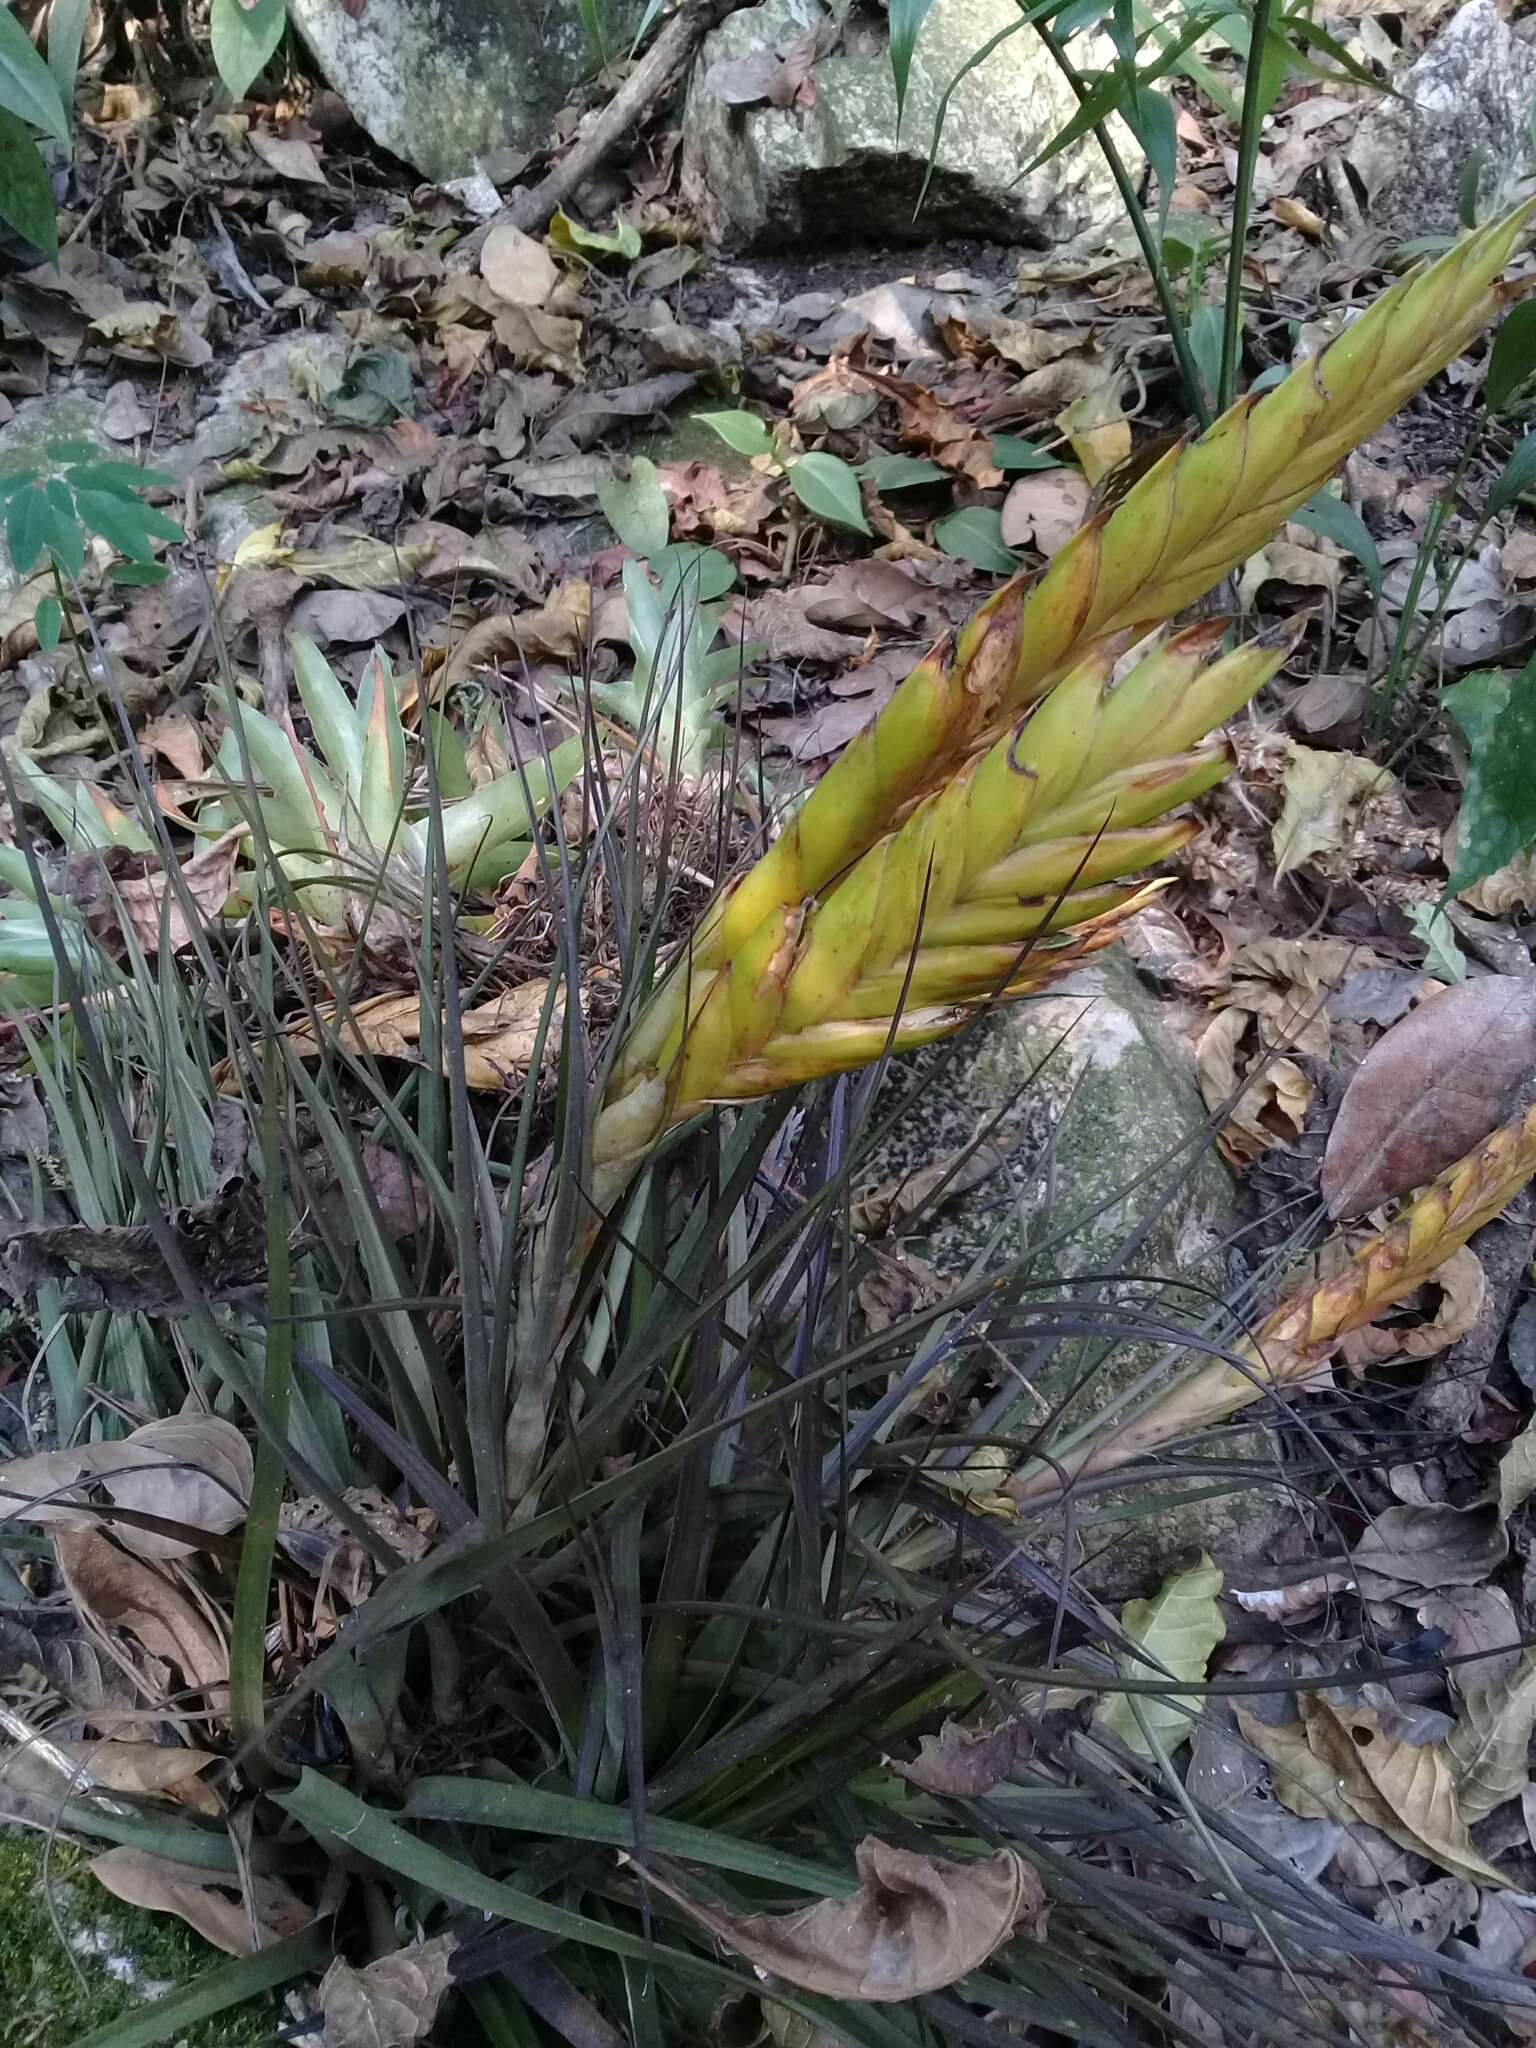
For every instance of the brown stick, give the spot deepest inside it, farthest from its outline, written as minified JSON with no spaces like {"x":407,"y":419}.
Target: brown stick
{"x":647,"y":87}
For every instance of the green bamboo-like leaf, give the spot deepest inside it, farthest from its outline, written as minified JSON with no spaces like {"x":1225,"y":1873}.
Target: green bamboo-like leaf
{"x":61,"y":531}
{"x":1334,"y":520}
{"x":1516,"y":478}
{"x":26,"y":190}
{"x":1177,"y":1628}
{"x":244,"y":39}
{"x":49,"y":622}
{"x":126,"y":524}
{"x":26,"y":520}
{"x":27,"y":88}
{"x":906,"y":19}
{"x":828,"y":488}
{"x":1513,"y":357}
{"x":333,"y":717}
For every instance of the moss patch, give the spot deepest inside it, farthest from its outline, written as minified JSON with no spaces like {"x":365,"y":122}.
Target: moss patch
{"x":123,"y":1957}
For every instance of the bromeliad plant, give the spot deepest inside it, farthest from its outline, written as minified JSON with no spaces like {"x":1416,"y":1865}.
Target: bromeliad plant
{"x":341,"y":827}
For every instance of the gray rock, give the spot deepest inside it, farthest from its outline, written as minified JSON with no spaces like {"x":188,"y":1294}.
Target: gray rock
{"x":1097,"y":1106}
{"x":840,"y":171}
{"x":442,"y":82}
{"x":1468,"y":96}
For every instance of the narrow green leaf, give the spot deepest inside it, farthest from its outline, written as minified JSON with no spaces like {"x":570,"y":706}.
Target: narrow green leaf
{"x":66,"y":33}
{"x":1150,"y":117}
{"x":61,"y":534}
{"x":828,"y":488}
{"x":635,"y":506}
{"x":27,"y":88}
{"x":1178,"y":1628}
{"x":1513,"y":357}
{"x":86,"y":475}
{"x":26,"y":518}
{"x":1497,"y":820}
{"x":137,"y":575}
{"x":26,"y":190}
{"x":976,"y":536}
{"x":1516,"y":478}
{"x":244,"y":40}
{"x":163,"y":2019}
{"x":49,"y":621}
{"x":1334,"y":520}
{"x":1205,"y":337}
{"x":906,"y":18}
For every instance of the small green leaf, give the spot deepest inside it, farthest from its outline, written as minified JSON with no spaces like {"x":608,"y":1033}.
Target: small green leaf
{"x":137,"y":575}
{"x":1150,"y":117}
{"x":1443,"y":956}
{"x":976,"y":536}
{"x":827,"y":487}
{"x":26,"y":191}
{"x":244,"y":39}
{"x":1011,"y":452}
{"x":49,"y":621}
{"x":25,"y":521}
{"x":1497,"y":820}
{"x":1177,"y":1628}
{"x":636,"y":508}
{"x":902,"y":472}
{"x":374,"y":390}
{"x":26,"y":84}
{"x":125,"y":524}
{"x":1205,"y":343}
{"x":1516,"y":478}
{"x":906,"y":18}
{"x":1513,"y":359}
{"x":695,"y":571}
{"x":740,"y":430}
{"x":575,"y":240}
{"x":1334,"y":520}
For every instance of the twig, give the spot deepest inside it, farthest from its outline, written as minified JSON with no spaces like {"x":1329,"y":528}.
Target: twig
{"x":647,"y":87}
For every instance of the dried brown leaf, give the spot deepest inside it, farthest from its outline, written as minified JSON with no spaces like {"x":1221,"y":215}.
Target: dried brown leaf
{"x":499,"y":1036}
{"x":518,"y":269}
{"x":1045,"y":509}
{"x":391,"y":2003}
{"x":143,"y":1770}
{"x":915,"y":1924}
{"x":1321,"y":793}
{"x":207,"y":1900}
{"x":1481,"y":1625}
{"x":194,"y":1469}
{"x":964,"y":1763}
{"x":1408,"y":1790}
{"x":111,"y":1589}
{"x":155,"y":908}
{"x":1429,"y":1090}
{"x":1489,"y":1747}
{"x":889,"y":1205}
{"x":1407,"y":1550}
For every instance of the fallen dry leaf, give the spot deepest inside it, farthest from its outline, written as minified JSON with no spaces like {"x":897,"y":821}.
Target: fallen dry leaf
{"x":556,"y":631}
{"x":1271,"y":1109}
{"x":390,"y":2003}
{"x":1429,"y":1090}
{"x":1045,"y":509}
{"x":1409,"y":1550}
{"x":1489,"y":1747}
{"x":115,"y":883}
{"x":1098,"y":429}
{"x":890,"y":1205}
{"x":142,"y":1770}
{"x":110,"y":1589}
{"x":1482,"y":1627}
{"x":965,"y":1763}
{"x":207,"y":1900}
{"x":194,"y":1469}
{"x":1511,"y":887}
{"x":499,"y":1036}
{"x":517,"y":268}
{"x":289,"y":156}
{"x":915,"y":1924}
{"x":1462,"y":1286}
{"x":1321,"y":792}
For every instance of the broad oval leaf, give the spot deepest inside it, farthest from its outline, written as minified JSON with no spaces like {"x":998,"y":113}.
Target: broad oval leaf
{"x":975,"y":535}
{"x":739,"y":429}
{"x":1513,"y":357}
{"x":1429,"y":1090}
{"x":635,"y":506}
{"x":828,"y":488}
{"x":26,"y":190}
{"x":244,"y":37}
{"x":27,"y":88}
{"x":915,"y":1924}
{"x":1497,"y":820}
{"x":1177,"y":1629}
{"x":1012,"y":451}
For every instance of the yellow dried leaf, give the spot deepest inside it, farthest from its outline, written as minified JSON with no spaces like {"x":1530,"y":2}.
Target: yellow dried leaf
{"x":499,"y":1036}
{"x":1177,"y":1629}
{"x":208,"y":1900}
{"x":391,"y":2003}
{"x":1490,"y":1745}
{"x":1322,"y":792}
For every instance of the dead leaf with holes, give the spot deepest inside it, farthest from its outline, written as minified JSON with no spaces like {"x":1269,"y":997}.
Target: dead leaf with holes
{"x":1097,"y":428}
{"x":1045,"y":509}
{"x":210,"y":1901}
{"x":1420,"y":1548}
{"x":1429,"y":1090}
{"x":1285,"y":984}
{"x":1482,"y":1630}
{"x":1322,"y":794}
{"x":390,"y":2003}
{"x":915,"y":1924}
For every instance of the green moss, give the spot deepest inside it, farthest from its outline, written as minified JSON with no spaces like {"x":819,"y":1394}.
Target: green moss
{"x":52,"y":1995}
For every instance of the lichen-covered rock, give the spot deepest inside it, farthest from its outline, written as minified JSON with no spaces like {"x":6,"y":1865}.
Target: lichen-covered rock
{"x":840,"y":169}
{"x":1104,"y":1134}
{"x":1467,"y":99}
{"x":442,"y":82}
